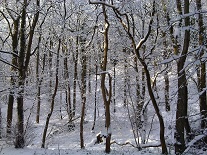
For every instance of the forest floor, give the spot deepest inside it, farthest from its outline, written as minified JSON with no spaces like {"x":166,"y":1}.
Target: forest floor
{"x":62,"y":140}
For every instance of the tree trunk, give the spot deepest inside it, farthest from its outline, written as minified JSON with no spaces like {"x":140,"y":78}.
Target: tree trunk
{"x":95,"y":100}
{"x":89,"y":75}
{"x":52,"y":99}
{"x":14,"y":62}
{"x":148,"y":80}
{"x":75,"y":76}
{"x":38,"y":103}
{"x":20,"y":142}
{"x":104,"y":91}
{"x":38,"y":82}
{"x":167,"y":104}
{"x":182,"y":103}
{"x":139,"y":106}
{"x":125,"y":78}
{"x":50,"y":69}
{"x":10,"y":111}
{"x":60,"y":108}
{"x":67,"y":91}
{"x":202,"y":68}
{"x":83,"y":90}
{"x":114,"y":86}
{"x":108,"y":127}
{"x":162,"y":127}
{"x":166,"y":77}
{"x":180,"y":114}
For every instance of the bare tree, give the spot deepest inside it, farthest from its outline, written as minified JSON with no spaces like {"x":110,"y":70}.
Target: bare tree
{"x":83,"y":87}
{"x":53,"y":97}
{"x":106,"y":94}
{"x":38,"y":72}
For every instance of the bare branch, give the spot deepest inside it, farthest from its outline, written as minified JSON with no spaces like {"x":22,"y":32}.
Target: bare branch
{"x":10,"y":30}
{"x":6,"y":62}
{"x":102,"y":2}
{"x":142,"y":41}
{"x":15,"y":54}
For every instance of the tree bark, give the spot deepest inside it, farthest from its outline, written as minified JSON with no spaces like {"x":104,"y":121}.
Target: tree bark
{"x":23,"y":63}
{"x":75,"y":75}
{"x":182,"y":103}
{"x":14,"y":62}
{"x":202,"y":68}
{"x":182,"y":122}
{"x":83,"y":91}
{"x":166,"y":77}
{"x":125,"y":78}
{"x":95,"y":100}
{"x":162,"y":127}
{"x":104,"y":91}
{"x":38,"y":81}
{"x":20,"y":142}
{"x":67,"y":91}
{"x":167,"y":104}
{"x":114,"y":85}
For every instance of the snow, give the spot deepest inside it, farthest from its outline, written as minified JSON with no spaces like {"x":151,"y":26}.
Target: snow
{"x":29,"y":151}
{"x":62,"y":141}
{"x":190,"y":144}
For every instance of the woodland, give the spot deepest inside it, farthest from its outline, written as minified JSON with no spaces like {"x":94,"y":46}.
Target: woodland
{"x":104,"y":75}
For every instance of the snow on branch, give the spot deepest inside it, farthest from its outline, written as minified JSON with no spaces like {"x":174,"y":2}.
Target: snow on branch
{"x":143,"y":40}
{"x":102,"y":2}
{"x":191,"y":143}
{"x":142,"y":146}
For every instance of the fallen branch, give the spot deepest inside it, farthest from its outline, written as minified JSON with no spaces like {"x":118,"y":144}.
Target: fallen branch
{"x":123,"y":144}
{"x":142,"y":146}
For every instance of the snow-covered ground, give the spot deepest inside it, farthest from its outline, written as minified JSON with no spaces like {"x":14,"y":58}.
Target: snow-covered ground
{"x":63,"y":141}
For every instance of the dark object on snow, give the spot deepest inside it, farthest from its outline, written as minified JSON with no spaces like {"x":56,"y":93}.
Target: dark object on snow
{"x":71,"y":126}
{"x":99,"y":139}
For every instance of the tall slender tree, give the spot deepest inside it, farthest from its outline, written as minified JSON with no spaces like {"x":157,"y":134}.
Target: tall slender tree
{"x":201,"y":73}
{"x":83,"y":88}
{"x":104,"y":91}
{"x":53,"y":96}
